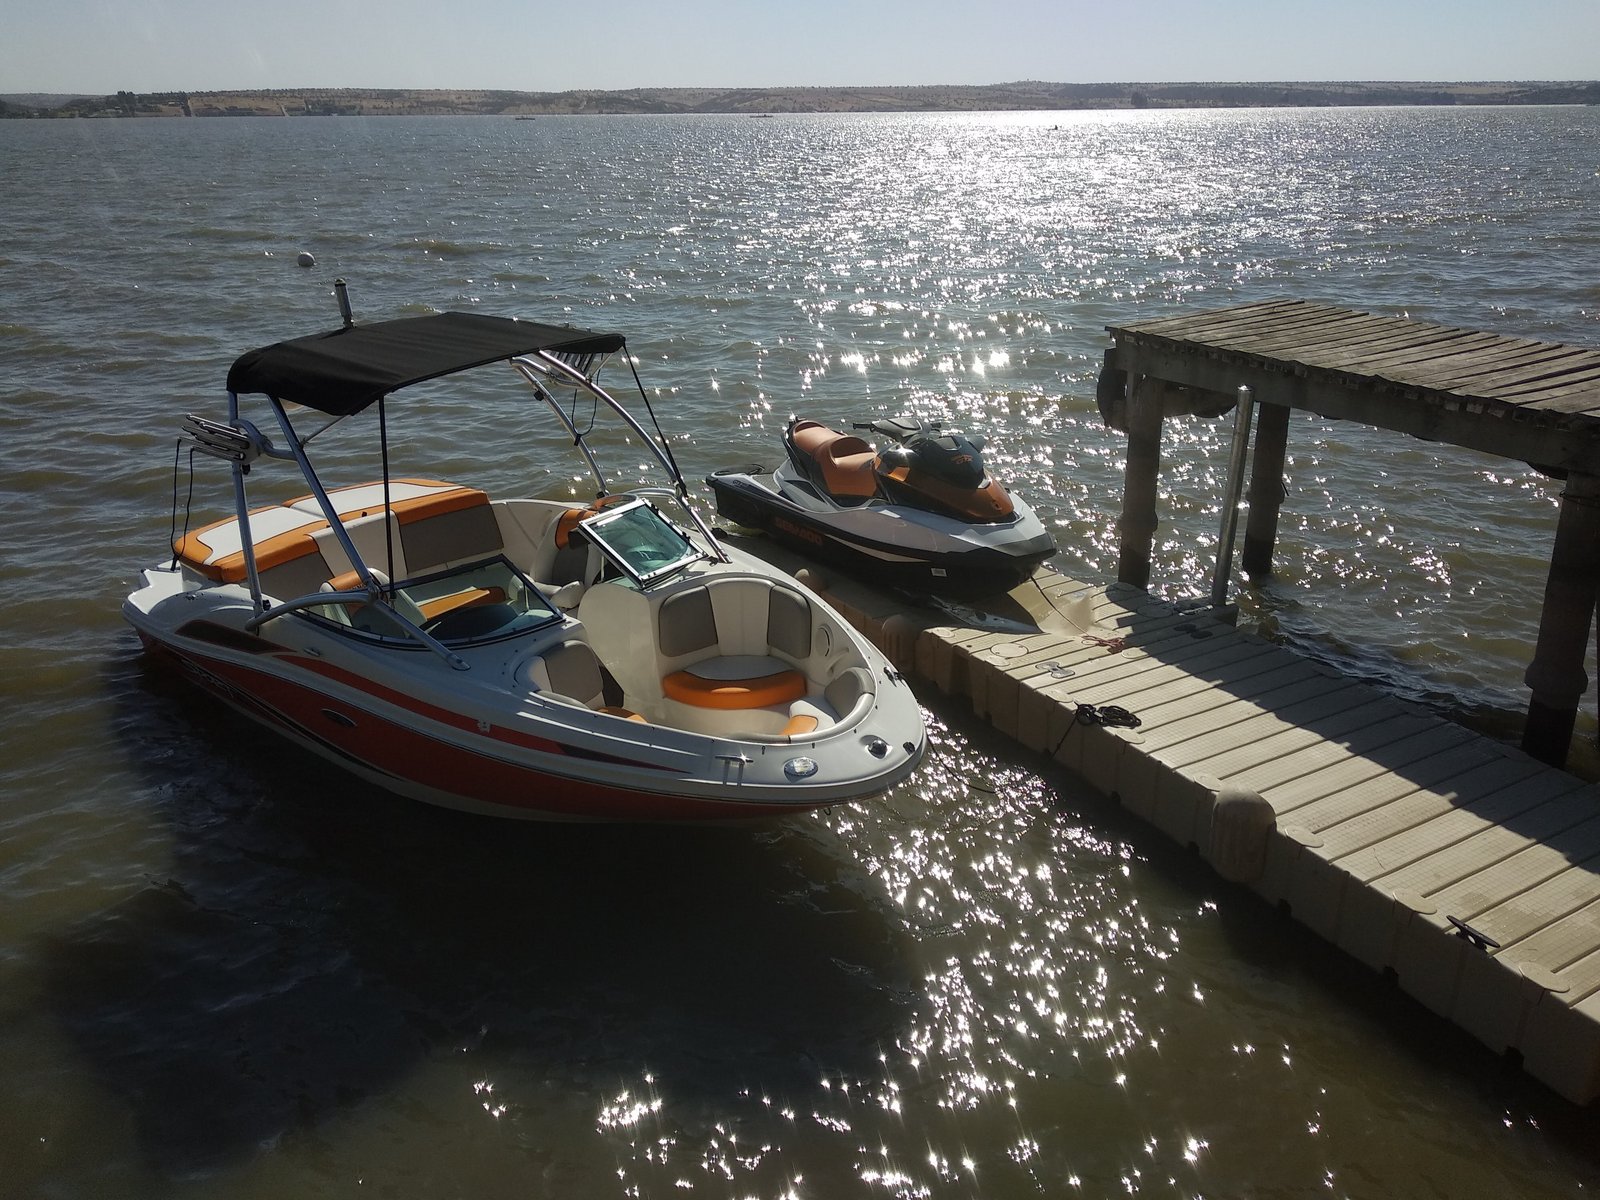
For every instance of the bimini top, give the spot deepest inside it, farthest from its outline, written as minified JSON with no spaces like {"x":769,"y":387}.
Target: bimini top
{"x":344,"y":371}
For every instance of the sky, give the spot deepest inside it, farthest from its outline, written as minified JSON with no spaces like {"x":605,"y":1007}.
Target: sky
{"x":102,"y":46}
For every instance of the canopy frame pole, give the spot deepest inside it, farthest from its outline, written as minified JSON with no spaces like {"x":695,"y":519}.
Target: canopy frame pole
{"x":329,"y":511}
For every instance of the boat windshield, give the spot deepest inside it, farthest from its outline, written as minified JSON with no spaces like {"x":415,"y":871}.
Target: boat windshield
{"x":642,"y":543}
{"x":483,"y":601}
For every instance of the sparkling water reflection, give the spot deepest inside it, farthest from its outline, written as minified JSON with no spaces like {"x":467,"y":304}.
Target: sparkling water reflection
{"x":224,"y":971}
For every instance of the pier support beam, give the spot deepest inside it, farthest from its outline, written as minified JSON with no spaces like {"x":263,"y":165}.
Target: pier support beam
{"x":1556,"y":675}
{"x":1267,"y":492}
{"x":1138,"y":522}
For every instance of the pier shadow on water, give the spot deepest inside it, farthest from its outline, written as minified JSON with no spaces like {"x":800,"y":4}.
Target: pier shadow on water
{"x":317,"y":940}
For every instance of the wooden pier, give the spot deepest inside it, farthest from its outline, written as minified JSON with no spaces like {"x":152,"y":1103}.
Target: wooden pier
{"x":1537,"y":402}
{"x":1466,"y":869}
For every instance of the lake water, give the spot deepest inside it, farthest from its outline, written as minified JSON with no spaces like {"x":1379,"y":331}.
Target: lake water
{"x":227,"y":971}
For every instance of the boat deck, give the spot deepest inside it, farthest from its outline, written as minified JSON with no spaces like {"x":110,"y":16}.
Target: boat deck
{"x":1373,"y":822}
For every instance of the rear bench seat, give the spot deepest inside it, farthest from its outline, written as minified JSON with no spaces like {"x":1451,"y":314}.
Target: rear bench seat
{"x":434,"y":525}
{"x":286,"y":550}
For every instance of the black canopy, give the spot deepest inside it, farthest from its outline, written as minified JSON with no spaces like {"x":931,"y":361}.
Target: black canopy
{"x":344,"y":371}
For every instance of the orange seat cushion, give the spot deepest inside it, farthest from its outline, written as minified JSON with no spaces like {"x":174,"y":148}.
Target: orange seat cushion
{"x":781,"y":687}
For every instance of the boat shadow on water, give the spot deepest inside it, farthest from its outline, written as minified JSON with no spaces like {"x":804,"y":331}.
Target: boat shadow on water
{"x":318,"y":940}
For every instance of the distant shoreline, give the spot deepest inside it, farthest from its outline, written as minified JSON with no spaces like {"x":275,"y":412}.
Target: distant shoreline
{"x":1002,"y":97}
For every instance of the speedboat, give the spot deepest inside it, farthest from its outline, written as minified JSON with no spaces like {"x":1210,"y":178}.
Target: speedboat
{"x":534,"y":658}
{"x":918,"y":513}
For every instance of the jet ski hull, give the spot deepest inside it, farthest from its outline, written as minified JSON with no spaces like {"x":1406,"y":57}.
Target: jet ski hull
{"x":886,"y":544}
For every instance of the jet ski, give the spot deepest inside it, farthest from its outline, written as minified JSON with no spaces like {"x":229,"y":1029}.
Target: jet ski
{"x":918,"y":512}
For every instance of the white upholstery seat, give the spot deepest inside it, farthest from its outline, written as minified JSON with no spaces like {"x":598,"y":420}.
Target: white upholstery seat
{"x":571,"y":671}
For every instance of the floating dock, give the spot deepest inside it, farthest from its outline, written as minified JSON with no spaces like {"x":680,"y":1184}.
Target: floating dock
{"x":1372,"y":821}
{"x":1466,"y":869}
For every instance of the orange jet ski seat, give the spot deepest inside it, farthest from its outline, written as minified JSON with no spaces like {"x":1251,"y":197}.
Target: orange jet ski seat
{"x":847,"y":464}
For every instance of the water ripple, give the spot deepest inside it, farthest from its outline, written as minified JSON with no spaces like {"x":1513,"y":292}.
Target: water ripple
{"x":224,"y":971}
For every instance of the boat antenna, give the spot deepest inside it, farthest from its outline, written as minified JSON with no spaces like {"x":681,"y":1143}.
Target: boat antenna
{"x":654,"y":420}
{"x":342,"y":294}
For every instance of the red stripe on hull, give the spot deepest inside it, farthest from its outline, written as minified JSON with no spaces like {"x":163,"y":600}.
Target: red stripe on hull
{"x":341,"y":731}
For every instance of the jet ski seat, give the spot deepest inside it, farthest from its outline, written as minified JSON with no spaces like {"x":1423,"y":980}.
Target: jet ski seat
{"x":845,"y":464}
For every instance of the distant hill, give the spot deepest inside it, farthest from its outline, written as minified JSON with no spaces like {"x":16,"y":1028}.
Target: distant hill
{"x":1026,"y":95}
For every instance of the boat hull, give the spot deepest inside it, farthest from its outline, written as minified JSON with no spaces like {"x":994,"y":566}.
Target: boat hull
{"x":885,"y":544}
{"x":492,"y":780}
{"x":559,"y":765}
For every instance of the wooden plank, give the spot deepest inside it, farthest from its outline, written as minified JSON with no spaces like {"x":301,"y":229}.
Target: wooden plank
{"x":1490,"y":364}
{"x":1465,"y":372}
{"x":1286,"y":342}
{"x":1302,"y":330}
{"x":1351,"y":336}
{"x":1566,"y":383}
{"x":1562,"y":441}
{"x":1385,"y":360}
{"x":1575,"y":405}
{"x":1185,"y":324}
{"x":1393,"y":351}
{"x":1555,"y":369}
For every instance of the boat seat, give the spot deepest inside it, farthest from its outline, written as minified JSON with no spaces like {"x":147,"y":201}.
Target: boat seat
{"x":469,"y":597}
{"x":564,"y":567}
{"x":733,"y":644}
{"x":735,"y":681}
{"x":845,"y":699}
{"x":359,"y":614}
{"x":571,"y":671}
{"x":280,"y":536}
{"x":428,"y":525}
{"x":847,"y":463}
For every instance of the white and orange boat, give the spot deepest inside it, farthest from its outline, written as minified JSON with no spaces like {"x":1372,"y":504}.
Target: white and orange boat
{"x":518,"y":657}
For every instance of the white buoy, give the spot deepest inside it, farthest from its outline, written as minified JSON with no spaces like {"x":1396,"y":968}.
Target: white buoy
{"x":305,"y":259}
